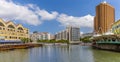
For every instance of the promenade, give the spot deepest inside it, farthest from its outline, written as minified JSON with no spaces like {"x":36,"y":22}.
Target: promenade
{"x":4,"y":47}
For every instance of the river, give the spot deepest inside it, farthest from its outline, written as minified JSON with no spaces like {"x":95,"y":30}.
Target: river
{"x":72,"y":53}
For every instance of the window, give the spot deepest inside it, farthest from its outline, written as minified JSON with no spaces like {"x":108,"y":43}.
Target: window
{"x":20,"y":28}
{"x":113,"y":40}
{"x":10,"y":37}
{"x":3,"y":28}
{"x":11,"y":26}
{"x":1,"y":24}
{"x":5,"y":36}
{"x":0,"y":28}
{"x":26,"y":32}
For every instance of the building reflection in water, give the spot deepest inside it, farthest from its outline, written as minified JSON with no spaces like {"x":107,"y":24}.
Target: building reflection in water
{"x":14,"y":56}
{"x":72,"y":53}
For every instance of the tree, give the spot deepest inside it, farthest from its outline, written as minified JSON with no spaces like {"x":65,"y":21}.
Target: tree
{"x":86,"y":39}
{"x":53,"y":41}
{"x":26,"y":40}
{"x":35,"y":32}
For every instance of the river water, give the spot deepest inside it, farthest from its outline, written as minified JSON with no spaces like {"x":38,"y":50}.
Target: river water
{"x":72,"y":53}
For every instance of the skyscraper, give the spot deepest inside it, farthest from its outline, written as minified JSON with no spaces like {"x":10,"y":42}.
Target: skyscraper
{"x":105,"y":17}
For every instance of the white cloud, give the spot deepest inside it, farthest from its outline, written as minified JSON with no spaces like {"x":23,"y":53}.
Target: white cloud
{"x":81,"y":33}
{"x":84,"y":21}
{"x":33,"y":15}
{"x":24,"y":13}
{"x":46,"y":15}
{"x":12,"y":11}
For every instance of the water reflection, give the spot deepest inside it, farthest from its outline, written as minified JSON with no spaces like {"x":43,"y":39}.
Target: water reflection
{"x":106,"y":56}
{"x":72,"y":53}
{"x":62,"y":54}
{"x":14,"y":56}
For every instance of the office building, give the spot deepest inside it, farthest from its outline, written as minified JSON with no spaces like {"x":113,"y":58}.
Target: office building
{"x":105,"y":17}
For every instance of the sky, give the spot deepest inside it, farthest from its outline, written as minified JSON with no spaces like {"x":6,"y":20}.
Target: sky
{"x":53,"y":15}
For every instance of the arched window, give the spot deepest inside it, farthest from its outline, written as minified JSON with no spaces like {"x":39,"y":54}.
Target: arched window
{"x":1,"y":24}
{"x":0,"y":28}
{"x":11,"y":26}
{"x":20,"y":28}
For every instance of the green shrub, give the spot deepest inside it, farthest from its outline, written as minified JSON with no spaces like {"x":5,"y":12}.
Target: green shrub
{"x":53,"y":41}
{"x":26,"y":40}
{"x":86,"y":39}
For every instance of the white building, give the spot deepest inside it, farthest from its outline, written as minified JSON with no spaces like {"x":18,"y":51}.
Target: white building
{"x":70,"y":33}
{"x":41,"y":36}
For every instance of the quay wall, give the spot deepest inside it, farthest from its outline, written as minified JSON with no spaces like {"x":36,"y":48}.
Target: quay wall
{"x":112,"y":47}
{"x":18,"y":46}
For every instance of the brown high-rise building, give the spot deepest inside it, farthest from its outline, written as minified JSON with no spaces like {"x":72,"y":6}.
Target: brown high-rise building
{"x":105,"y":17}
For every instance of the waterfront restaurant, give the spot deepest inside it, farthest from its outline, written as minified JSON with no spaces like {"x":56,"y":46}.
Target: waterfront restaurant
{"x":10,"y":42}
{"x":107,"y":39}
{"x":10,"y":31}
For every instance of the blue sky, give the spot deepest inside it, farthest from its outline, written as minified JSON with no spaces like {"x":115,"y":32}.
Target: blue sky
{"x":53,"y":15}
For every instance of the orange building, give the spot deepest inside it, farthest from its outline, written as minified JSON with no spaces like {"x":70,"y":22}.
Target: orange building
{"x":105,"y":17}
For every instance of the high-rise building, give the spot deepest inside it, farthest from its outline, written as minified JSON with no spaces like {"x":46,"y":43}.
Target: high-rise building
{"x":72,"y":34}
{"x":105,"y":17}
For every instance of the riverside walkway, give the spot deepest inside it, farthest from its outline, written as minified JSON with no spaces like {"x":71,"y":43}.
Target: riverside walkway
{"x":4,"y":47}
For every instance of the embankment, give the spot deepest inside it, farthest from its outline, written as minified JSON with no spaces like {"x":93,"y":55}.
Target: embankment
{"x":18,"y":46}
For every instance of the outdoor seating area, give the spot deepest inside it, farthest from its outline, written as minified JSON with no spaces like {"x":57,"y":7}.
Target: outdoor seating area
{"x":10,"y":42}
